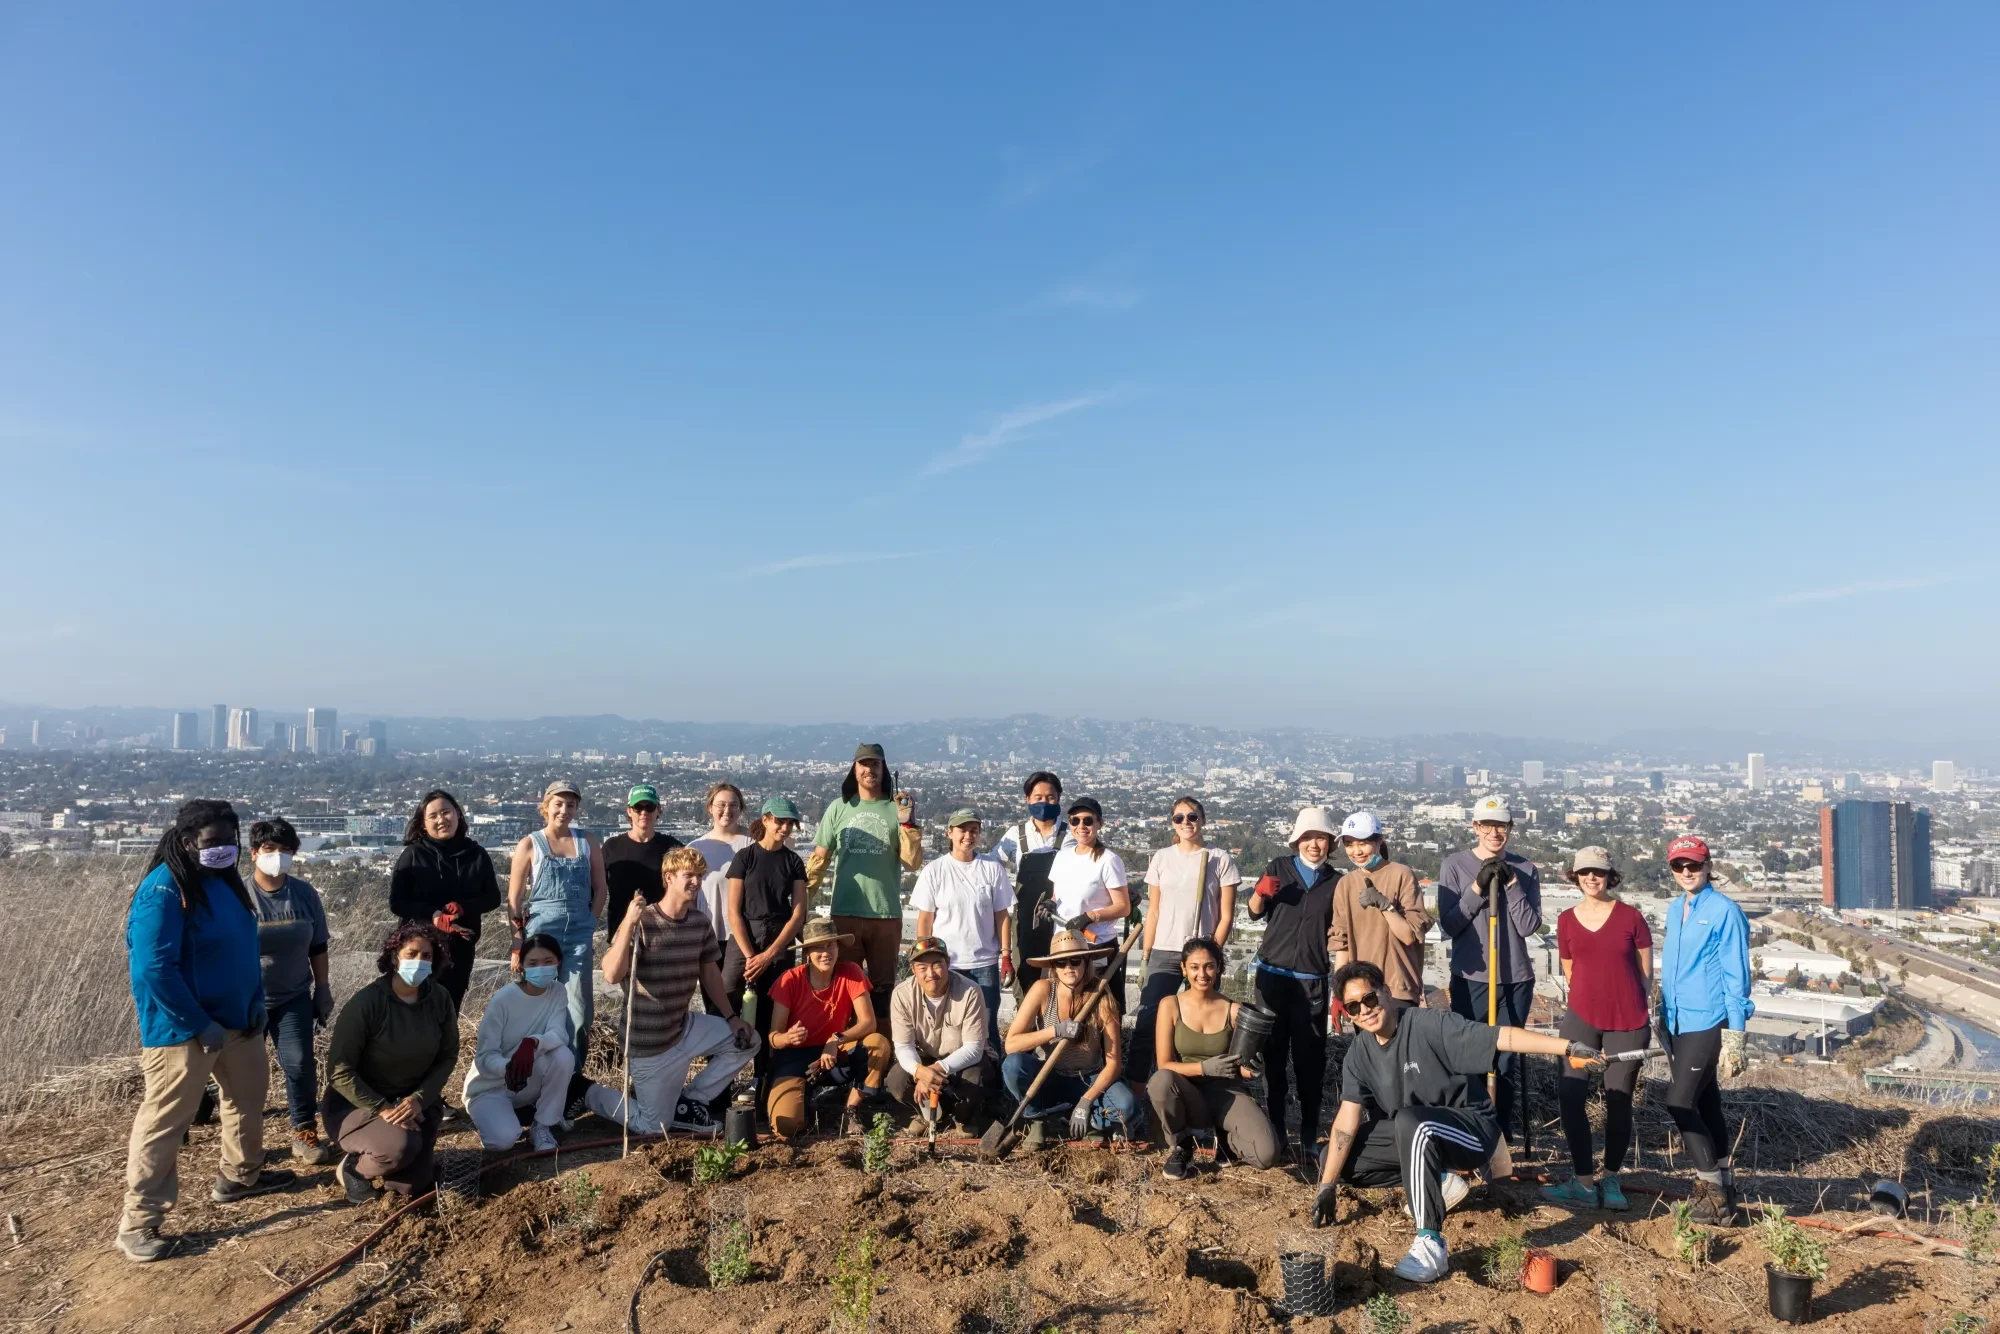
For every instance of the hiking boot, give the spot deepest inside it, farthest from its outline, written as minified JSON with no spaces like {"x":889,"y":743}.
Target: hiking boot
{"x":146,"y":1245}
{"x":359,"y":1189}
{"x":1611,"y":1195}
{"x":1037,"y":1137}
{"x":850,"y":1123}
{"x":1714,"y":1205}
{"x":1427,"y":1261}
{"x":542,"y":1139}
{"x":695,"y":1116}
{"x":226,"y":1191}
{"x":1180,"y":1160}
{"x":1572,"y":1194}
{"x":310,"y":1149}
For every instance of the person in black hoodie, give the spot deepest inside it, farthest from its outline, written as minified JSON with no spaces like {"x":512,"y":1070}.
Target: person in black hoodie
{"x":1294,"y":897}
{"x":444,"y":880}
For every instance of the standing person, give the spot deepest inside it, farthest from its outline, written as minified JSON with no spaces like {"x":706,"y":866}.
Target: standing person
{"x":718,"y":847}
{"x":1704,"y":1009}
{"x":1190,"y":891}
{"x":1378,"y":911}
{"x":1026,"y":850}
{"x":966,"y":899}
{"x":823,"y":1021}
{"x":198,"y":983}
{"x":556,"y":887}
{"x":865,"y":839}
{"x":444,"y":879}
{"x":393,"y":1047}
{"x":521,"y":1057}
{"x":632,"y":859}
{"x":1089,"y":890}
{"x":292,"y":937}
{"x":1197,"y":1086}
{"x":1413,"y":1109}
{"x":1085,"y":1078}
{"x":767,"y":909}
{"x":1607,"y":960}
{"x":668,"y":949}
{"x":938,"y":1023}
{"x":1294,"y":897}
{"x":1466,"y":882}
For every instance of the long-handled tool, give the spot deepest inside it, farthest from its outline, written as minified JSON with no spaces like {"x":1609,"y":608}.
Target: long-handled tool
{"x":1502,"y":1162}
{"x":1001,"y":1137}
{"x":625,"y":1066}
{"x":928,"y":1109}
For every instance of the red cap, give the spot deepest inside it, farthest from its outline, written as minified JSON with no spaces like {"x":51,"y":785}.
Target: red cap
{"x":1687,"y":848}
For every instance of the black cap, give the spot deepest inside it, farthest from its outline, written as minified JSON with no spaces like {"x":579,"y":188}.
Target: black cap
{"x":1088,"y":805}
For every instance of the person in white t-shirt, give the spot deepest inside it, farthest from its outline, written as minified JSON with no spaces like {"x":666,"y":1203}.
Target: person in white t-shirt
{"x":1190,"y":892}
{"x":967,"y":900}
{"x":718,"y":847}
{"x":1087,"y":886}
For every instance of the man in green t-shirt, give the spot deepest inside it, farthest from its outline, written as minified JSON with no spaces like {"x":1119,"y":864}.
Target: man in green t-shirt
{"x":865,"y":838}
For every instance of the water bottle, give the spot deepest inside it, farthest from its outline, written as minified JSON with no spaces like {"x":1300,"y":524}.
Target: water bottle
{"x":748,"y":1009}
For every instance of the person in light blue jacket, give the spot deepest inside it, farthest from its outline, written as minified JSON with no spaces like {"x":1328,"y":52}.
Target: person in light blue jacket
{"x":1704,"y":1008}
{"x":198,"y":985}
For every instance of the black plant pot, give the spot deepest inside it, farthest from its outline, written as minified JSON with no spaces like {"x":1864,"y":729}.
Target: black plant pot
{"x":1789,"y":1295}
{"x":739,"y":1126}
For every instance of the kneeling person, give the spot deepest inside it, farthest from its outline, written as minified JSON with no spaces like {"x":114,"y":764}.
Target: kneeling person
{"x":823,"y":1022}
{"x":522,"y":1056}
{"x":1196,"y":1086}
{"x":667,"y":948}
{"x":1414,"y":1110}
{"x":1086,"y":1069}
{"x":937,"y":1020}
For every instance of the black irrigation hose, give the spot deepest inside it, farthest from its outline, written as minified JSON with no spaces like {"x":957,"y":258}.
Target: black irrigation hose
{"x":658,"y":1262}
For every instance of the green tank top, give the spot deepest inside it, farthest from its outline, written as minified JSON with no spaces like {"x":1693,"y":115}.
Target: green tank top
{"x":1190,"y":1045}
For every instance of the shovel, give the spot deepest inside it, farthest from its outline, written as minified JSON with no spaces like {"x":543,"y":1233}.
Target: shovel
{"x":928,"y":1109}
{"x":1002,"y":1136}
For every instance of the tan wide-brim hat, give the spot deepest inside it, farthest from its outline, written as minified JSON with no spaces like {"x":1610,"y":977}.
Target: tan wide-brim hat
{"x":820,"y":931}
{"x":1071,"y":945}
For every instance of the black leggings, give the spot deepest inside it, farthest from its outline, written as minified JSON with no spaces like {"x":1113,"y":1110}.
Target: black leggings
{"x":1300,"y":1035}
{"x":1620,"y":1079}
{"x":1695,"y":1099}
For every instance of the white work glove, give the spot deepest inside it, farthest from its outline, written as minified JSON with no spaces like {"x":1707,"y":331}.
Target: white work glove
{"x":1732,"y":1062}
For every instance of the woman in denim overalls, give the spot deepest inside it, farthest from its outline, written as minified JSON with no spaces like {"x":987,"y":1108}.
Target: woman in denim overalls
{"x":562,"y":894}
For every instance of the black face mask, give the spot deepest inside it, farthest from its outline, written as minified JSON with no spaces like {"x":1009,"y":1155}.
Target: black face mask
{"x":1045,"y":810}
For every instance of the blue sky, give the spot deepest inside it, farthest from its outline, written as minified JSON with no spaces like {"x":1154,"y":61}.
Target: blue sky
{"x":1551,"y":370}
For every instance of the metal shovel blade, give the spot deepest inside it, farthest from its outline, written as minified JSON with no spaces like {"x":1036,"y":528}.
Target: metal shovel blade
{"x":999,"y":1140}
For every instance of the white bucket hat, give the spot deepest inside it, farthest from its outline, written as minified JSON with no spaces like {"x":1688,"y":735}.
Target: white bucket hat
{"x":1312,"y":820}
{"x":1360,"y":826}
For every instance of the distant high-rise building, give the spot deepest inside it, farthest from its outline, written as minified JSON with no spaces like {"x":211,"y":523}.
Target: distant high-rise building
{"x":186,"y":725}
{"x":1656,"y":781}
{"x":35,"y":734}
{"x":348,"y":741}
{"x":1944,"y":776}
{"x":243,"y":729}
{"x":365,"y":747}
{"x":378,"y":732}
{"x":1482,"y":778}
{"x":1875,"y":854}
{"x":1531,"y":772}
{"x":951,"y":743}
{"x":1457,"y":776}
{"x":1571,"y":779}
{"x":322,"y":731}
{"x":218,"y":726}
{"x":1849,"y":783}
{"x":1754,"y":777}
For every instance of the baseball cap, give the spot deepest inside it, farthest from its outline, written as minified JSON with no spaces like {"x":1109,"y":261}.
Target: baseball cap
{"x":924,"y":946}
{"x":780,"y":808}
{"x":870,"y":750}
{"x":562,"y":787}
{"x":1492,"y":810}
{"x":1591,"y":859}
{"x":642,"y":792}
{"x":1687,"y":848}
{"x":1361,"y":825}
{"x":963,"y":815}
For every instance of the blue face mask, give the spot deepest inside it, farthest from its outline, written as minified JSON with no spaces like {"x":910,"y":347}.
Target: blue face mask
{"x":1045,"y":810}
{"x":1372,"y":862}
{"x":540,"y":975}
{"x":413,"y":971}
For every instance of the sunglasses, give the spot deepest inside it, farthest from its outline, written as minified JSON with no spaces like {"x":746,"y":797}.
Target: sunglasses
{"x":1677,"y":867}
{"x":1083,"y":822}
{"x":1593,"y":873}
{"x":646,"y":808}
{"x":1370,"y":1000}
{"x":1187,"y":817}
{"x":1069,"y":963}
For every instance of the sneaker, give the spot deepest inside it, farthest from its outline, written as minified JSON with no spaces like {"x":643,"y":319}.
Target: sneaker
{"x":1180,"y":1161}
{"x":1572,"y":1194}
{"x":226,"y":1191}
{"x":1454,"y":1188}
{"x":1611,"y":1195}
{"x":542,"y":1139}
{"x":359,"y":1189}
{"x":310,"y":1149}
{"x":1427,"y":1261}
{"x":146,"y":1245}
{"x":695,"y":1116}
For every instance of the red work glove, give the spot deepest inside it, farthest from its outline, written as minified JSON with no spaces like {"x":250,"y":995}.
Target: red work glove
{"x":1006,"y":970}
{"x":448,"y":921}
{"x":1266,"y":887}
{"x":521,"y":1065}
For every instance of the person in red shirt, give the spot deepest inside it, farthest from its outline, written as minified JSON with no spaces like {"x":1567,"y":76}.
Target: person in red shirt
{"x":1607,"y":959}
{"x":823,"y":1021}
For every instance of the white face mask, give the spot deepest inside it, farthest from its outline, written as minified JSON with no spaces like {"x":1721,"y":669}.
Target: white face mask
{"x":274,"y":864}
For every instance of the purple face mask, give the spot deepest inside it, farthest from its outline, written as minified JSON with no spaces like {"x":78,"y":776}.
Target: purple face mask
{"x":217,"y":859}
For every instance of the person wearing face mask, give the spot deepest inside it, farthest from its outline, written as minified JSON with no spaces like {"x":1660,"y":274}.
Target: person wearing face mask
{"x":521,"y":1057}
{"x":1027,"y":850}
{"x":1294,"y":898}
{"x":394,"y":1044}
{"x":444,"y":879}
{"x":556,"y":886}
{"x":1378,"y":912}
{"x":291,"y":933}
{"x":198,"y":985}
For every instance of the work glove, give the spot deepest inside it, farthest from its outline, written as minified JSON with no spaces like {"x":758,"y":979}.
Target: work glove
{"x":906,"y":807}
{"x":1372,"y":897}
{"x":1494,"y":876}
{"x":1585,"y":1057}
{"x":1266,"y":887}
{"x":322,"y":1002}
{"x":260,"y":1020}
{"x":213,"y":1037}
{"x":1006,"y":970}
{"x":1079,"y":1119}
{"x":1219,"y":1067}
{"x":447,"y":921}
{"x":520,"y":1065}
{"x":1080,"y":922}
{"x":1732,"y":1062}
{"x":1326,"y":1205}
{"x":1045,"y":912}
{"x":816,"y":863}
{"x":1066,"y":1029}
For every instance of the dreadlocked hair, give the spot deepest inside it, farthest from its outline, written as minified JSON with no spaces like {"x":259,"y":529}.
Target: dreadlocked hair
{"x":174,"y":853}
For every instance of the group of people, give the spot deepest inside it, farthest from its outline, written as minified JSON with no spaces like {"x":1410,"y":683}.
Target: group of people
{"x":800,"y":1000}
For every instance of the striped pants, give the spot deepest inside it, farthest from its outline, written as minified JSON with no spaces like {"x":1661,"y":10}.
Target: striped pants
{"x":1414,"y":1146}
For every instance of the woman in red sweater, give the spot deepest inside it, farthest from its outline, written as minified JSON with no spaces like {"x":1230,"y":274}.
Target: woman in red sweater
{"x":1607,"y":960}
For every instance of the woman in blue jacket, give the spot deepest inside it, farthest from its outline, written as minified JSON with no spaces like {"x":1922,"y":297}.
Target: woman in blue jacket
{"x":198,"y":984}
{"x":1704,"y":1007}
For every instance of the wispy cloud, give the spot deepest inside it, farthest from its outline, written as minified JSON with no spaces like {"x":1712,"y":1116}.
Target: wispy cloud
{"x":820,"y":560}
{"x":1010,"y":428}
{"x":1088,"y":295}
{"x":1862,"y":589}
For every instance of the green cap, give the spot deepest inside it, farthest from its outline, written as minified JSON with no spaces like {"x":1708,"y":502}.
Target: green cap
{"x":963,"y":815}
{"x":642,"y":792}
{"x":870,"y":750}
{"x":780,"y":808}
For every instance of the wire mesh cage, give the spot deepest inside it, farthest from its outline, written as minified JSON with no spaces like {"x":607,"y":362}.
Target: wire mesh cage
{"x":1305,"y":1267}
{"x":1010,"y":1309}
{"x":457,"y":1179}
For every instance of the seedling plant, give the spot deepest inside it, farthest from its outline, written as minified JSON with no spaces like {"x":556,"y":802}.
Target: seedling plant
{"x":1977,"y":1219}
{"x":1792,"y":1250}
{"x":854,"y":1283}
{"x":1691,"y":1242}
{"x":876,"y":1144}
{"x":729,"y":1263}
{"x":1384,"y":1316}
{"x":712,"y":1162}
{"x":1505,"y":1259}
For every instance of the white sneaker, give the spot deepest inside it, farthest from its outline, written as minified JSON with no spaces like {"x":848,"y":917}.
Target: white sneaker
{"x":1427,"y":1261}
{"x":542,"y":1139}
{"x":1454,"y":1189}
